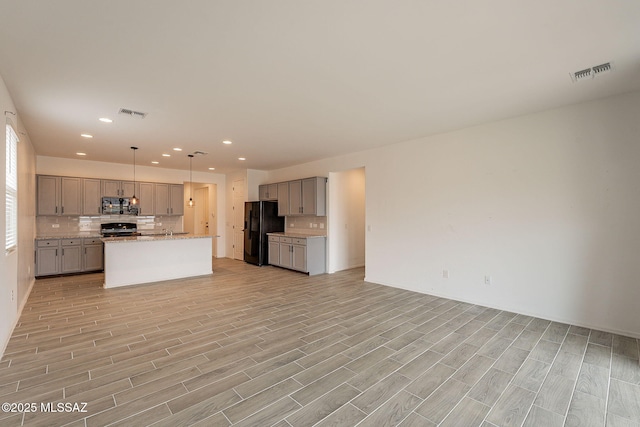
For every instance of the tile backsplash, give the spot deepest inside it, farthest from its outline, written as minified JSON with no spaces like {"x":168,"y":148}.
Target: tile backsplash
{"x":66,"y":225}
{"x":310,"y":225}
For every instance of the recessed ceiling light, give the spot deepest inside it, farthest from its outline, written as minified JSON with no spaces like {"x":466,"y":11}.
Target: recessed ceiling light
{"x":177,"y":149}
{"x":212,"y":169}
{"x":166,"y":155}
{"x":155,"y":163}
{"x":241,"y":158}
{"x":86,"y":135}
{"x":105,"y":119}
{"x":81,"y":154}
{"x":227,"y":142}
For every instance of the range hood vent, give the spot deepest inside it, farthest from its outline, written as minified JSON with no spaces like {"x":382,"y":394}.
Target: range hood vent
{"x":590,"y":73}
{"x":132,"y":113}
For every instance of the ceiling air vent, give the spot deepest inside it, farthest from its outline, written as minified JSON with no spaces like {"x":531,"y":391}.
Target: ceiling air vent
{"x":132,"y":113}
{"x":602,"y":68}
{"x":592,"y":72}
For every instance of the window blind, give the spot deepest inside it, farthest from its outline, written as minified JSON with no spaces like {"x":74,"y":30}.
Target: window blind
{"x":11,"y":194}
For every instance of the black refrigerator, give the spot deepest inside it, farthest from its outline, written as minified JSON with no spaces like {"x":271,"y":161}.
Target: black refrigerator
{"x":260,"y":218}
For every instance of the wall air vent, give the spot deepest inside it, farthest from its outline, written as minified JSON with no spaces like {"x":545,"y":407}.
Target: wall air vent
{"x":132,"y":113}
{"x":590,"y":73}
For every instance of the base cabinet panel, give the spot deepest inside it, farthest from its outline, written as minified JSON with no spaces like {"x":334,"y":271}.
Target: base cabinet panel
{"x":47,"y":262}
{"x":93,"y":256}
{"x":274,"y":252}
{"x":298,"y":253}
{"x":71,"y":261}
{"x":66,"y":256}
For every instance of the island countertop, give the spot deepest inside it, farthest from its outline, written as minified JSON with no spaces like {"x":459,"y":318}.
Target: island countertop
{"x":129,"y":239}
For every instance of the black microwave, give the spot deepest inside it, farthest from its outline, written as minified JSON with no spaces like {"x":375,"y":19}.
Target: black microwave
{"x":118,"y":206}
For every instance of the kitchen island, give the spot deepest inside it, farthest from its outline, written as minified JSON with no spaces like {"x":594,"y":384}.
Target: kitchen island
{"x":144,"y":259}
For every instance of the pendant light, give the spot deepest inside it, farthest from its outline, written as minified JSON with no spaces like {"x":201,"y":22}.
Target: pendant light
{"x":190,"y":203}
{"x":134,"y":200}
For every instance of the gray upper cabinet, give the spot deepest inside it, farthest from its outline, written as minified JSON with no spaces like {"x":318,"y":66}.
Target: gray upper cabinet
{"x":91,"y":197}
{"x":146,"y":196}
{"x":268,"y":192}
{"x":48,"y":195}
{"x":162,"y":199}
{"x":71,"y":201}
{"x":59,"y":195}
{"x":308,"y":196}
{"x":283,"y":199}
{"x":295,"y":197}
{"x":169,"y":199}
{"x":177,"y":199}
{"x":112,"y":188}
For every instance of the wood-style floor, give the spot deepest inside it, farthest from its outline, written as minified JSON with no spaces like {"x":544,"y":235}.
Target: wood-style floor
{"x":254,"y":346}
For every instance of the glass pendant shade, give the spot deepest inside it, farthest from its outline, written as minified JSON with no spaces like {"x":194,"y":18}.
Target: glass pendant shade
{"x":134,"y":199}
{"x":190,"y":203}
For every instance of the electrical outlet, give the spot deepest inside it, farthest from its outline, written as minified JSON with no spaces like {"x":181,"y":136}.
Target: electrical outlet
{"x":487,"y":280}
{"x":12,"y":295}
{"x":445,"y":274}
{"x":55,"y":225}
{"x":321,"y":225}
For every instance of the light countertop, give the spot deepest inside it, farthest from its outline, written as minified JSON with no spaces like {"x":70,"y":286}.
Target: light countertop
{"x":88,"y":235}
{"x":295,"y":235}
{"x":95,"y":235}
{"x":128,"y":239}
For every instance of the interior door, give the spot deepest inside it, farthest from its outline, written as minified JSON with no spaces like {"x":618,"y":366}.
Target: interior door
{"x":238,"y":219}
{"x":201,"y":212}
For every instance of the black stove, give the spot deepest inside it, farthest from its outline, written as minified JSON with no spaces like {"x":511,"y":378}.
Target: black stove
{"x":118,"y":229}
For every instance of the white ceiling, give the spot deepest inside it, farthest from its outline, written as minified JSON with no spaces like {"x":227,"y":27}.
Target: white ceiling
{"x":290,"y":81}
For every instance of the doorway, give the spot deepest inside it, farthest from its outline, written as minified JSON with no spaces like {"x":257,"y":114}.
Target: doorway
{"x":238,"y":219}
{"x":202,"y":218}
{"x":346,"y":228}
{"x":201,"y":211}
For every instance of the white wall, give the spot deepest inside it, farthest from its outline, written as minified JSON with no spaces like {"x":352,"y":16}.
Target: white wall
{"x":546,"y":204}
{"x":346,"y":237}
{"x":16,"y":268}
{"x":93,"y":169}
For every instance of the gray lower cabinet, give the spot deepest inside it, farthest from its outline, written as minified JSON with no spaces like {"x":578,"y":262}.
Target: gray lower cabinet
{"x":71,"y":261}
{"x":305,"y":254}
{"x":92,"y":258}
{"x":65,"y":256}
{"x":274,"y":251}
{"x":47,"y":261}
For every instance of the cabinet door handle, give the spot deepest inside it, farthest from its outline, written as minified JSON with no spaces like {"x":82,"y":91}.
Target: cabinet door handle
{"x":56,"y":209}
{"x":63,"y":252}
{"x":62,"y":210}
{"x":56,"y":252}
